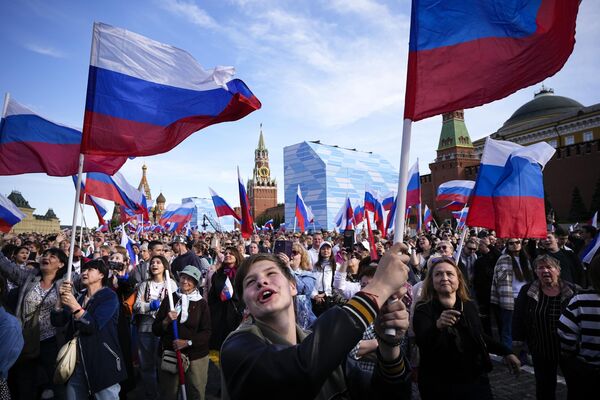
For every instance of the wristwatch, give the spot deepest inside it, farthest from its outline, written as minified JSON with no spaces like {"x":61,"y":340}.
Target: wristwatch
{"x":189,"y":343}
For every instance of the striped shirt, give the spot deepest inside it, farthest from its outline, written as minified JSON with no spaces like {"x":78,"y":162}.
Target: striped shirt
{"x":579,"y":327}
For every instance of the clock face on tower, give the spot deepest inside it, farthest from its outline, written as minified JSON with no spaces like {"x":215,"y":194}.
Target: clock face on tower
{"x":263,"y":172}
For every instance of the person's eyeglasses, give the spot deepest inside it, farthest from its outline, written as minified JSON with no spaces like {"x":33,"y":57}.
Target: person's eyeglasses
{"x":514,"y":243}
{"x":228,"y":253}
{"x":443,"y":247}
{"x":295,"y":253}
{"x":471,"y":248}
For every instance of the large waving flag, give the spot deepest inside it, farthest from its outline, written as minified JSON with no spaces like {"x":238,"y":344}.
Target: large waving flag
{"x":301,"y":212}
{"x":146,"y":97}
{"x":510,"y":181}
{"x":457,"y":191}
{"x":222,"y":208}
{"x":247,"y":227}
{"x":465,"y":53}
{"x":116,"y":188}
{"x":176,"y":216}
{"x":30,"y":143}
{"x":413,"y":189}
{"x":100,"y":206}
{"x":10,"y":214}
{"x":519,"y":195}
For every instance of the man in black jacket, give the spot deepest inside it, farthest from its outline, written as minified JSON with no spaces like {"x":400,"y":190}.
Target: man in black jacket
{"x":184,"y":257}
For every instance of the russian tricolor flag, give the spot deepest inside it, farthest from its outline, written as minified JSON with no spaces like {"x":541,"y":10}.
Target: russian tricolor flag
{"x":457,"y":191}
{"x":344,"y":217}
{"x":247,"y":223}
{"x":391,"y":217}
{"x":461,"y":217}
{"x":269,"y":224}
{"x":146,"y":97}
{"x":370,"y":201}
{"x":227,"y":291}
{"x":359,"y":214}
{"x":413,"y":189}
{"x":100,"y":206}
{"x":10,"y":214}
{"x":427,"y":217}
{"x":177,"y":215}
{"x":116,"y":188}
{"x":128,"y":244}
{"x":509,"y":194}
{"x":301,"y":211}
{"x":30,"y":143}
{"x":465,"y":53}
{"x":222,"y":208}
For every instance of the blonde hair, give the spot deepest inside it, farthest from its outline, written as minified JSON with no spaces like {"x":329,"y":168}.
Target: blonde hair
{"x":304,"y":260}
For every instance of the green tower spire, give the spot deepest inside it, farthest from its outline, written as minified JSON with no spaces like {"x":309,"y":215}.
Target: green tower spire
{"x":454,"y":131}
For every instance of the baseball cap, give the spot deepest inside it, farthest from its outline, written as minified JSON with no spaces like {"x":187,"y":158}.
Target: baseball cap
{"x":179,"y":239}
{"x":325,"y":243}
{"x":192,"y":272}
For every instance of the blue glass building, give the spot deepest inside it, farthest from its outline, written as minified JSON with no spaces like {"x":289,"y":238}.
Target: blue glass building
{"x":328,"y":174}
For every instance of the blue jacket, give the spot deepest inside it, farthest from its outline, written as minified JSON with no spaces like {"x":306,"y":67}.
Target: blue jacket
{"x":98,"y":343}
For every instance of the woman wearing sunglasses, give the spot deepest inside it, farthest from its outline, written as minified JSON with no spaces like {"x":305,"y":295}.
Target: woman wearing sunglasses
{"x":511,"y":273}
{"x":454,"y":360}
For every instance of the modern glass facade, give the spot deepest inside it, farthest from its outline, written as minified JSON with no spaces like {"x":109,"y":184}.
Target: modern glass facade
{"x":328,"y":174}
{"x":206,"y":207}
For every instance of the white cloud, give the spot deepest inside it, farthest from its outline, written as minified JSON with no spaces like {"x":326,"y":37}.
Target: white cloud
{"x":45,"y":50}
{"x":191,"y":12}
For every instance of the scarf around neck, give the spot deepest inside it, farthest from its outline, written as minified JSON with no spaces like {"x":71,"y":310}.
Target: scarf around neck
{"x":184,"y":303}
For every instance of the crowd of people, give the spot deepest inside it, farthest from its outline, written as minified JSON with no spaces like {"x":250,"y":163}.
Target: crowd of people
{"x":296,"y":315}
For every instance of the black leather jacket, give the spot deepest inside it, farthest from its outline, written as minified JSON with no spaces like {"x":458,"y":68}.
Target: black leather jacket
{"x":258,"y":363}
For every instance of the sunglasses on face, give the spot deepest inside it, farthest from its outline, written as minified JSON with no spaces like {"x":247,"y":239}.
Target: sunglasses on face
{"x":471,"y":248}
{"x":441,"y":248}
{"x":295,"y":252}
{"x":514,"y":243}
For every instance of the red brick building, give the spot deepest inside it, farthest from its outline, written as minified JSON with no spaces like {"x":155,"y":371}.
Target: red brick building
{"x":262,"y":190}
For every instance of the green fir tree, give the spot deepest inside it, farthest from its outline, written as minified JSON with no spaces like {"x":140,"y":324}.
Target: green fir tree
{"x":578,"y":212}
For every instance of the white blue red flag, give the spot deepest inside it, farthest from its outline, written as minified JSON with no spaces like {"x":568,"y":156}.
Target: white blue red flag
{"x":427,"y":217}
{"x":594,"y":220}
{"x":509,"y":194}
{"x":127,"y":242}
{"x":413,"y":189}
{"x":345,"y":216}
{"x":301,"y":212}
{"x":99,"y":205}
{"x":222,"y":208}
{"x":457,"y":191}
{"x":116,"y":188}
{"x":177,"y":215}
{"x":227,"y":291}
{"x":146,"y":97}
{"x":268,"y":225}
{"x":10,"y":214}
{"x":590,"y":250}
{"x":30,"y":143}
{"x":247,"y":227}
{"x":359,"y":214}
{"x":464,"y":54}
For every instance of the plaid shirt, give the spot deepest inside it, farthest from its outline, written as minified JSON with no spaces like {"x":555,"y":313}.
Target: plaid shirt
{"x":502,"y":290}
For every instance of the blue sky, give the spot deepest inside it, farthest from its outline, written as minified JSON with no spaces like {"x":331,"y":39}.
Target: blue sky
{"x":332,"y":70}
